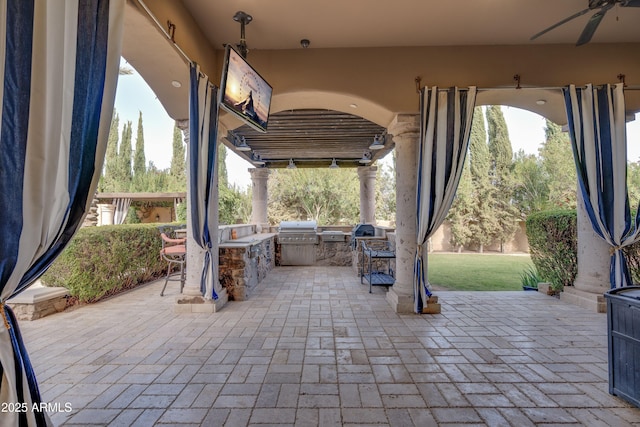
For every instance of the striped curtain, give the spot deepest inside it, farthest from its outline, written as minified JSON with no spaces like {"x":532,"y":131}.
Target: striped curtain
{"x":445,"y":128}
{"x":121,"y":209}
{"x":203,"y":129}
{"x":598,"y":137}
{"x":59,"y":66}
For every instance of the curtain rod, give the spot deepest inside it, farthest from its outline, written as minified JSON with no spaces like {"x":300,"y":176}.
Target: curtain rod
{"x":484,"y":89}
{"x":155,"y":20}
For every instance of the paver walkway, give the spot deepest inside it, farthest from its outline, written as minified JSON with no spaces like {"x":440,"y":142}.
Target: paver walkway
{"x":312,"y":347}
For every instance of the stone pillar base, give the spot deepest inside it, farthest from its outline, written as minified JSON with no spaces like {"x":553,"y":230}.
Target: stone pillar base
{"x":433,"y":306}
{"x":198,"y":304}
{"x":589,"y":300}
{"x":401,"y":304}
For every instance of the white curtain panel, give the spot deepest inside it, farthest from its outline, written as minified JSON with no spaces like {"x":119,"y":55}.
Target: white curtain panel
{"x":445,"y":128}
{"x":203,"y":164}
{"x":121,"y":206}
{"x":59,"y":67}
{"x":598,"y":136}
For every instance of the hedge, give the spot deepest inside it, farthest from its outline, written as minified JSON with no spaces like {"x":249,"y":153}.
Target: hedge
{"x":553,"y":246}
{"x":102,"y":261}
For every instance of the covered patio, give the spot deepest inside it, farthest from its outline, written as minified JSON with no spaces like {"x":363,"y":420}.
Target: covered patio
{"x":313,"y":347}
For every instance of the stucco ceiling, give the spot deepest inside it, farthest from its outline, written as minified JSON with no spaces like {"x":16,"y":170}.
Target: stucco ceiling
{"x":281,"y":24}
{"x":334,"y":26}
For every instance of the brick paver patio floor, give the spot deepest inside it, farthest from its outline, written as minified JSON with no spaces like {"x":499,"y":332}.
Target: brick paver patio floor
{"x":312,"y":347}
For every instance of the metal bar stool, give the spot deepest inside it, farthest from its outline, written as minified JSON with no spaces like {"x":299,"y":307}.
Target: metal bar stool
{"x":174,"y":251}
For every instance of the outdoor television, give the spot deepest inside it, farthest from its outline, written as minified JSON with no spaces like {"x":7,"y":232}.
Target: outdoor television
{"x":244,"y":92}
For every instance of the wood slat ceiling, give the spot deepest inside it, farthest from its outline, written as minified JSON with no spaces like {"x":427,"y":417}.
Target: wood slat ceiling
{"x":312,"y":138}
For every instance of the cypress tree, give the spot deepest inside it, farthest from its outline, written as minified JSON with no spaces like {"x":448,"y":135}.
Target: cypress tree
{"x":139,"y":160}
{"x":483,"y":223}
{"x":178,"y":167}
{"x":223,"y":178}
{"x":108,"y":178}
{"x":558,"y":163}
{"x":124,"y":159}
{"x":501,"y":173}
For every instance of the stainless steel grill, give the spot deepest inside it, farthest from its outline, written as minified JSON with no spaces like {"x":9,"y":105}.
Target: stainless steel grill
{"x":297,"y":242}
{"x":298,"y":232}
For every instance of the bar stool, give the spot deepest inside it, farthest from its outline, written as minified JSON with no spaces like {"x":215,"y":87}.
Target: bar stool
{"x":174,"y":251}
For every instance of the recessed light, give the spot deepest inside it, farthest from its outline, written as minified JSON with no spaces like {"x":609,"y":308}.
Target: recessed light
{"x":541,"y":101}
{"x":353,"y":105}
{"x":176,"y":83}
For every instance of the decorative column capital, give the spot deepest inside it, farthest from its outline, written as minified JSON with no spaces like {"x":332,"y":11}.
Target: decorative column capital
{"x":367,"y":172}
{"x":183,"y":124}
{"x":259,"y":173}
{"x":404,"y":126}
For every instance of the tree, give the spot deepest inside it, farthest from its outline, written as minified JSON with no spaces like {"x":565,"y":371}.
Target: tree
{"x":531,"y":192}
{"x":558,"y":163}
{"x":108,"y":178}
{"x":462,"y":210}
{"x":386,"y":191}
{"x":124,"y":160}
{"x":177,"y":170}
{"x":139,"y":161}
{"x":501,"y":172}
{"x":325,"y":195}
{"x":223,"y":177}
{"x":483,"y":223}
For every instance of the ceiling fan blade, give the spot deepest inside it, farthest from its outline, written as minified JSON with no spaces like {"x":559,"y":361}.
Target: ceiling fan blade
{"x":631,"y":3}
{"x":592,"y":25}
{"x":564,"y":21}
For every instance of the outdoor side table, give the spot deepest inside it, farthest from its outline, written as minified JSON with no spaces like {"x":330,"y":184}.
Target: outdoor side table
{"x":623,"y":322}
{"x":372,"y":274}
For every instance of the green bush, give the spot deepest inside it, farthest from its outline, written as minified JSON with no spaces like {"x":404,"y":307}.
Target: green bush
{"x":102,"y":261}
{"x":553,"y":246}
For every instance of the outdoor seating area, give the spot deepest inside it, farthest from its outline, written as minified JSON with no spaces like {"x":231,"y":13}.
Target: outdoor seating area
{"x":313,"y":347}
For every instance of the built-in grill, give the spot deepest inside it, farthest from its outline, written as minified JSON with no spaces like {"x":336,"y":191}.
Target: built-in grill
{"x":298,"y":240}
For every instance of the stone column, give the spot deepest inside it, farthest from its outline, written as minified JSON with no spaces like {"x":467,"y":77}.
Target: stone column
{"x":192,"y":299}
{"x":405,"y":131}
{"x":592,"y":280}
{"x":260,"y":198}
{"x":105,"y":214}
{"x":367,"y":176}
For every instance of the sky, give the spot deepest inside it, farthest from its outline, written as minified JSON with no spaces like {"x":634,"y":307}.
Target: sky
{"x":526,"y":129}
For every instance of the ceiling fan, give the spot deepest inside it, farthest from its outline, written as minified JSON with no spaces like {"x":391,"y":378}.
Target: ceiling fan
{"x":602,"y":6}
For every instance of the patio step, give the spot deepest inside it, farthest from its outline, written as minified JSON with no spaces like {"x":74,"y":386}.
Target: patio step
{"x":38,"y":301}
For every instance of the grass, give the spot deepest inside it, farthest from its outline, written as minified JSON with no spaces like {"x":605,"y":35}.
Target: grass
{"x":477,"y":272}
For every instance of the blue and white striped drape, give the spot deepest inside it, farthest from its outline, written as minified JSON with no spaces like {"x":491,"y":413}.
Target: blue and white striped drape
{"x":598,"y":137}
{"x":445,"y":128}
{"x":203,"y":164}
{"x":59,"y":66}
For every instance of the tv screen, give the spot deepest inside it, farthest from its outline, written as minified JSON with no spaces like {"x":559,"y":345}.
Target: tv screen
{"x":244,"y":92}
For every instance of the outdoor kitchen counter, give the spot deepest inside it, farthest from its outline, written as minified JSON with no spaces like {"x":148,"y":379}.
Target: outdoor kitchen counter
{"x":245,"y":262}
{"x":247,"y":241}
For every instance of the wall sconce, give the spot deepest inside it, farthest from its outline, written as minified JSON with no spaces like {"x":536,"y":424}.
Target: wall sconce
{"x":291,"y":164}
{"x":256,"y":159}
{"x":334,"y":164}
{"x":366,"y":158}
{"x":378,"y":143}
{"x":239,"y":142}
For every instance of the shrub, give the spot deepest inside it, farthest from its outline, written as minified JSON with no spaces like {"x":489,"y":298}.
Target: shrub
{"x":553,"y":246}
{"x":530,"y":278}
{"x":102,"y":261}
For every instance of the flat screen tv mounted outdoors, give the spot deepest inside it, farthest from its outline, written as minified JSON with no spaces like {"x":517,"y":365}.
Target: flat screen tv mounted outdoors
{"x":244,"y":92}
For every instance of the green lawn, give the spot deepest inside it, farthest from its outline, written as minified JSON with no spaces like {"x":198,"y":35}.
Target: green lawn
{"x":477,"y":272}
